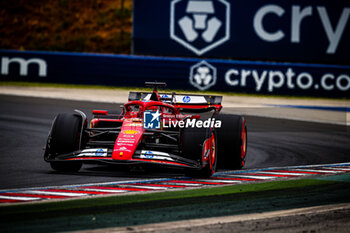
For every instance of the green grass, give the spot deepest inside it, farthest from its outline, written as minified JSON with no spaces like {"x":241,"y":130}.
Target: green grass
{"x":101,"y":87}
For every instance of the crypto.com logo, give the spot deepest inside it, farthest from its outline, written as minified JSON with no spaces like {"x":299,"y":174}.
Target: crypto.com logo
{"x":203,"y":75}
{"x":200,"y":25}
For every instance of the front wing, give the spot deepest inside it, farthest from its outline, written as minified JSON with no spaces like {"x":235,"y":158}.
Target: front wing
{"x":147,"y":157}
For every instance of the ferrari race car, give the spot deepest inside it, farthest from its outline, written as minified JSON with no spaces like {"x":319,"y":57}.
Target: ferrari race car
{"x":171,"y":130}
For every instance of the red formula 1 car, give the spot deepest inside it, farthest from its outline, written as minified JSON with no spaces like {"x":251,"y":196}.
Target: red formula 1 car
{"x":173,"y":130}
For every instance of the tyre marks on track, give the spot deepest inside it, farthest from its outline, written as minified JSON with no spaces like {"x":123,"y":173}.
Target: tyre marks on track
{"x":219,"y":179}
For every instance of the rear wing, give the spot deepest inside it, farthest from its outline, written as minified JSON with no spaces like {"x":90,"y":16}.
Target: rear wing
{"x":176,"y":99}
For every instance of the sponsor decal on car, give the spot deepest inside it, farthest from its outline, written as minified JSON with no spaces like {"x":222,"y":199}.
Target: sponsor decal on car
{"x":130,"y":131}
{"x":149,"y":154}
{"x":134,"y":124}
{"x":186,"y":99}
{"x":126,"y":141}
{"x":97,"y":152}
{"x":124,"y":144}
{"x":123,"y":148}
{"x":155,"y":155}
{"x":190,"y":99}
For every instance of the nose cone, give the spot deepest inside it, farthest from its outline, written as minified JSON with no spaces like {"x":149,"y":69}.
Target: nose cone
{"x":128,"y":140}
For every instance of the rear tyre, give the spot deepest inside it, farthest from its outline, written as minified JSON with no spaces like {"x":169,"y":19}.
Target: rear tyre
{"x":193,"y":148}
{"x":232,"y":141}
{"x":65,"y":137}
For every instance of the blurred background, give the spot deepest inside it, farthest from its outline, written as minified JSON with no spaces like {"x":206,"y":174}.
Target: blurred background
{"x":98,"y":26}
{"x":272,"y":47}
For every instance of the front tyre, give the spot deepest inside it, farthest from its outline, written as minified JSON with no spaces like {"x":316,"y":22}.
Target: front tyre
{"x":65,"y":137}
{"x":200,"y":144}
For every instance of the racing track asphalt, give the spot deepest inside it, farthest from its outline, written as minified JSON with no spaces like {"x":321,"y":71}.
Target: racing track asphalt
{"x":25,"y":122}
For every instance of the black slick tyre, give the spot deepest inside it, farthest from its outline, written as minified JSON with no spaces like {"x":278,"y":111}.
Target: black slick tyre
{"x":192,"y":147}
{"x":232,"y":141}
{"x":65,"y":138}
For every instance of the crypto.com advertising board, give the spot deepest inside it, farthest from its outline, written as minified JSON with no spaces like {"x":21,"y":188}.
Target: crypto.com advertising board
{"x":316,"y":31}
{"x":179,"y":73}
